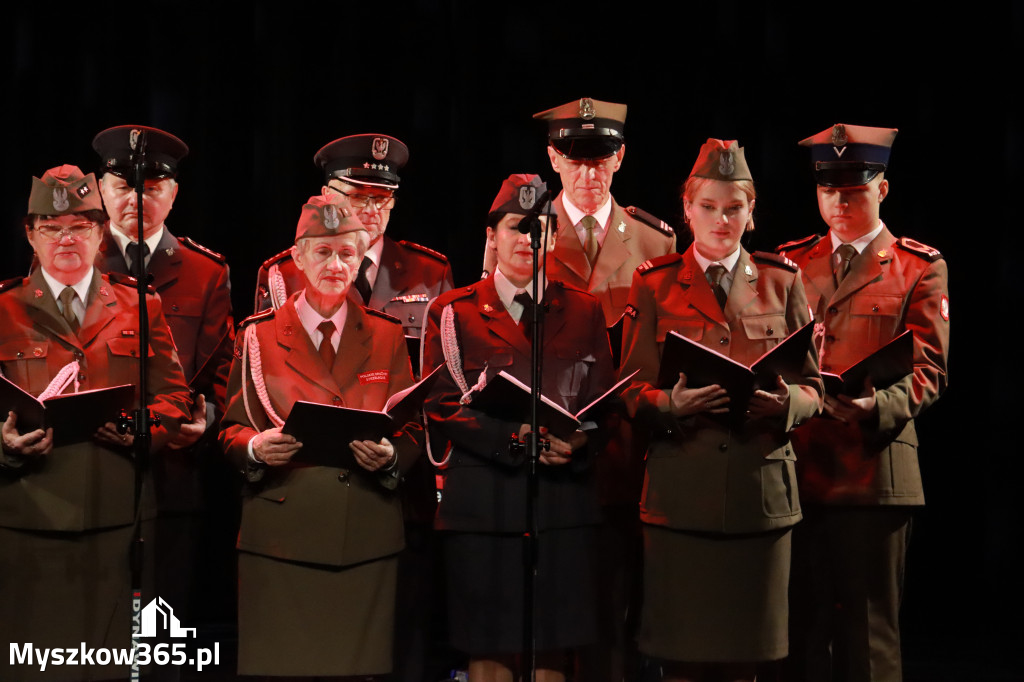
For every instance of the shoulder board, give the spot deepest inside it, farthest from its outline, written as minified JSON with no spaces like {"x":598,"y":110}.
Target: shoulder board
{"x":258,"y":317}
{"x":187,"y":241}
{"x":127,"y":281}
{"x":653,"y":264}
{"x":12,"y":283}
{"x":382,"y":315}
{"x":287,"y":253}
{"x":649,"y":220}
{"x":422,"y":249}
{"x":799,"y":243}
{"x":923,"y":250}
{"x":774,"y":259}
{"x":457,"y":293}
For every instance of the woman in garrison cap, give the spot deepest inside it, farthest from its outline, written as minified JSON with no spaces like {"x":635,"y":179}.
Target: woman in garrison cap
{"x":319,"y":541}
{"x":67,"y":503}
{"x":483,"y":506}
{"x":719,"y":496}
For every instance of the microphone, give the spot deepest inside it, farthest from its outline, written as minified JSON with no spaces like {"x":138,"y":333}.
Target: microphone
{"x":533,"y":216}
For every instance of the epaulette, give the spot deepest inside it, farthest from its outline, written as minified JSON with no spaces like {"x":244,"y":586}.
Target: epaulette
{"x":774,"y":259}
{"x":923,"y":250}
{"x":799,"y":243}
{"x":287,"y":253}
{"x":127,"y":281}
{"x":11,"y":283}
{"x":651,"y":221}
{"x":653,"y":264}
{"x":258,"y":317}
{"x":422,"y":249}
{"x":188,"y":241}
{"x":381,"y":314}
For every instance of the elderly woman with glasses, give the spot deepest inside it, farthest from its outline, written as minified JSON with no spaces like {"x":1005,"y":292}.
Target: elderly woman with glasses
{"x":67,"y":505}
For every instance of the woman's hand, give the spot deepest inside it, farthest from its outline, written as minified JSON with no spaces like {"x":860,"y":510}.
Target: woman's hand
{"x":274,"y":448}
{"x":373,"y":456}
{"x":108,"y":434}
{"x":560,"y":451}
{"x":687,"y":401}
{"x":31,"y":444}
{"x":769,"y":403}
{"x":192,"y":430}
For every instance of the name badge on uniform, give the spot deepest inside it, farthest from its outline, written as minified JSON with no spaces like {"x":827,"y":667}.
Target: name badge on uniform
{"x":380,"y":376}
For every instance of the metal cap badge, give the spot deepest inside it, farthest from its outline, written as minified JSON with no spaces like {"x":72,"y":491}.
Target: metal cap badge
{"x":847,"y":155}
{"x":721,"y":160}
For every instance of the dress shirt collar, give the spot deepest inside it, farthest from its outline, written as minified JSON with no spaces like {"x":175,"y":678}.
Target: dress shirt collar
{"x":123,"y":241}
{"x":311,"y":319}
{"x":729,"y":261}
{"x":860,"y":243}
{"x":576,"y":215}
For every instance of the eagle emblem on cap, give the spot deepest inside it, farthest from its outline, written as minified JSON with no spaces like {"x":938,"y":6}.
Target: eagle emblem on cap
{"x":133,"y":138}
{"x":527,"y":196}
{"x":60,"y":199}
{"x":839,"y":138}
{"x":726,"y":164}
{"x":331,"y":219}
{"x":379,"y":148}
{"x":587,"y":110}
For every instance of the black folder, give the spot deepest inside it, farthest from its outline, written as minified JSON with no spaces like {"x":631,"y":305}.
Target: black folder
{"x":885,"y":366}
{"x":704,"y":366}
{"x":326,"y":430}
{"x":75,"y":417}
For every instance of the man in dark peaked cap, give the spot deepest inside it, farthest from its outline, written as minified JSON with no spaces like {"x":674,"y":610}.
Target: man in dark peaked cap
{"x":193,"y":283}
{"x":857,"y":465}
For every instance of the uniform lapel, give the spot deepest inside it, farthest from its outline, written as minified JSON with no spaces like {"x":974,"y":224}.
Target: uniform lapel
{"x":568,"y":250}
{"x":354,"y":348}
{"x":699,"y":291}
{"x":615,"y":250}
{"x":744,"y":286}
{"x":301,"y":354}
{"x":392,"y":275}
{"x":866,"y":267}
{"x":109,"y":257}
{"x":497,"y":319}
{"x":817,"y":272}
{"x":165,"y":263}
{"x":554,"y":318}
{"x":100,"y":309}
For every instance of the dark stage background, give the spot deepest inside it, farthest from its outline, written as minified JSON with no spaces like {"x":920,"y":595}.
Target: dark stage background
{"x":256,"y":90}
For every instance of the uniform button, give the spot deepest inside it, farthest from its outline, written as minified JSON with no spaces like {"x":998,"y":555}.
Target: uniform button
{"x":134,"y":353}
{"x":336,"y":400}
{"x":723,"y":341}
{"x":412,"y":318}
{"x":668,"y":432}
{"x":723,"y":446}
{"x":20,"y":354}
{"x":874,"y":308}
{"x":769,"y":331}
{"x":174,"y":307}
{"x":343,"y":476}
{"x":832,"y":310}
{"x":79,"y":354}
{"x":81,"y":377}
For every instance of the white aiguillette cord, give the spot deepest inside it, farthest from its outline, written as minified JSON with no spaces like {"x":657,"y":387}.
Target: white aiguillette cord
{"x":67,"y":374}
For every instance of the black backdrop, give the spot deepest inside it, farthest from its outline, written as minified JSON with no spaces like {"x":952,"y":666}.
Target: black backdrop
{"x":255,"y":91}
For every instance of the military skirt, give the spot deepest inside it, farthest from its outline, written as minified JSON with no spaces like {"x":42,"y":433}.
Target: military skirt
{"x":712,"y":597}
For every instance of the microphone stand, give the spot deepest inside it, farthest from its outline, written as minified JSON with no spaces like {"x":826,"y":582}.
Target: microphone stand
{"x":141,"y":419}
{"x":532,"y":221}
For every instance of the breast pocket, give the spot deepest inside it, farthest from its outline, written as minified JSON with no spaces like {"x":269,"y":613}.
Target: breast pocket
{"x":690,"y":327}
{"x":123,"y":356}
{"x":24,"y":363}
{"x":574,"y":368}
{"x":765,"y":331}
{"x":877,"y":316}
{"x":182,"y":306}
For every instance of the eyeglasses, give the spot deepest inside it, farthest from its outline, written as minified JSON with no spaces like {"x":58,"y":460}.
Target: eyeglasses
{"x":361,"y":201}
{"x":54,"y":233}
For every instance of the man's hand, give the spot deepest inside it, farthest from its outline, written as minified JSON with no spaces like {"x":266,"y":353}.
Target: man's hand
{"x":852,"y":410}
{"x":274,"y":448}
{"x":193,"y":430}
{"x":769,"y":403}
{"x":373,"y":456}
{"x":686,"y":401}
{"x":31,"y":444}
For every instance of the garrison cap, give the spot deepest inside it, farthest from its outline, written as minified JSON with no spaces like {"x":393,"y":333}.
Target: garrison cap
{"x":62,"y":191}
{"x":586,"y":128}
{"x":519,"y":194}
{"x":117,"y":146}
{"x":326,"y":217}
{"x":721,"y":160}
{"x":848,"y":155}
{"x":371,"y":159}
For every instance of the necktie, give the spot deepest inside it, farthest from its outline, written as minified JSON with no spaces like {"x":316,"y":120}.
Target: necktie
{"x":526,"y":319}
{"x":714,"y":273}
{"x":326,"y":347}
{"x":844,"y":254}
{"x":132,"y":252}
{"x":67,"y":297}
{"x":362,"y":282}
{"x":589,"y":223}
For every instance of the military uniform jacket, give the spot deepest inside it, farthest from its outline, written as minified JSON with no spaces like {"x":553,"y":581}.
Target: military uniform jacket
{"x":317,"y":514}
{"x":81,"y":486}
{"x":485,"y":488}
{"x":409,"y":276}
{"x":703,"y":475}
{"x":889,"y":289}
{"x":629,"y":243}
